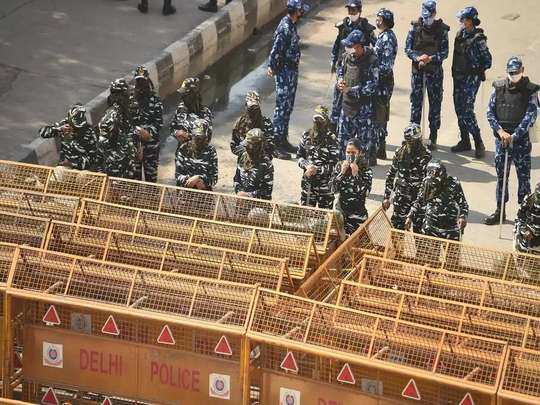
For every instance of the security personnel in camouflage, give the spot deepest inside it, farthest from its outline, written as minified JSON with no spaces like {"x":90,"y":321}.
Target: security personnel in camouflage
{"x":405,"y":176}
{"x":352,"y":179}
{"x":427,"y":47}
{"x":350,"y":23}
{"x":250,"y":119}
{"x":254,"y":175}
{"x":527,"y":226}
{"x":358,"y":79}
{"x":78,"y":146}
{"x":512,"y":110}
{"x":318,"y":154}
{"x":116,"y":147}
{"x":443,"y":200}
{"x":471,"y":59}
{"x":196,"y":160}
{"x":189,"y":110}
{"x":119,"y":96}
{"x":147,"y":118}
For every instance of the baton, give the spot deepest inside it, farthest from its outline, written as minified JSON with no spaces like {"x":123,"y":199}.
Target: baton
{"x":424,"y":114}
{"x":503,"y":192}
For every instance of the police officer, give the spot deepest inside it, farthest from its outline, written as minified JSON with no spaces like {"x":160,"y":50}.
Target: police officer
{"x":405,"y":177}
{"x":352,"y":22}
{"x":196,"y":160}
{"x":358,"y":78}
{"x":527,"y":226}
{"x":352,"y":179}
{"x":512,"y":110}
{"x":250,"y":119}
{"x":116,"y":147}
{"x":119,"y":96}
{"x":147,"y":118}
{"x":78,"y":145}
{"x":168,"y":8}
{"x":444,"y":202}
{"x":471,"y":59}
{"x":386,"y":51}
{"x":283,"y":65}
{"x":427,"y":47}
{"x":318,"y":154}
{"x":254,"y":175}
{"x":189,"y":110}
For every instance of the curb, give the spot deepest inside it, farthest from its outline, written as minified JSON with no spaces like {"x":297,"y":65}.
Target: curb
{"x":189,"y":56}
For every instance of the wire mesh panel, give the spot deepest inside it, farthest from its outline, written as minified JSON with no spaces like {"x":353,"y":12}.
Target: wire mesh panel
{"x":23,"y":229}
{"x":225,"y":208}
{"x":58,"y":180}
{"x":369,"y":238}
{"x":297,"y":247}
{"x":479,"y":291}
{"x":50,"y":206}
{"x":168,"y":255}
{"x":459,"y":257}
{"x":7,"y":254}
{"x":521,"y":380}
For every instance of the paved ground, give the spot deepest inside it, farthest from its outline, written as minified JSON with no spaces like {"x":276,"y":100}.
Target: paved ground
{"x":505,"y":23}
{"x":56,"y":52}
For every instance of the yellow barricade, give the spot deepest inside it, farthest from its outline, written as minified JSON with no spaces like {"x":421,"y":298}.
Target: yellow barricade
{"x":23,"y":229}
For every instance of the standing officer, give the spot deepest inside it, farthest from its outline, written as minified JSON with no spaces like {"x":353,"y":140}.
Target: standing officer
{"x":78,"y":146}
{"x":427,"y":47}
{"x":527,"y":227}
{"x":443,"y":200}
{"x":512,"y":110}
{"x":147,"y":118}
{"x":350,"y":23}
{"x":283,"y":65}
{"x":318,"y":154}
{"x":386,"y":50}
{"x":405,"y":177}
{"x":471,"y":59}
{"x":254,"y":175}
{"x":358,"y":78}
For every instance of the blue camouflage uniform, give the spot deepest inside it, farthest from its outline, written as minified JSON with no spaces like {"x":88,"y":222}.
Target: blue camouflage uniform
{"x":513,"y":107}
{"x":386,"y":49}
{"x":284,"y":60}
{"x":361,"y":77}
{"x":431,"y":40}
{"x":470,"y":61}
{"x":345,"y":27}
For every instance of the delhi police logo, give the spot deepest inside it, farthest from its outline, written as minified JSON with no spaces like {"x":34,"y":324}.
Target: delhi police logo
{"x":289,"y":399}
{"x":220,"y":386}
{"x":53,"y":355}
{"x":289,"y":396}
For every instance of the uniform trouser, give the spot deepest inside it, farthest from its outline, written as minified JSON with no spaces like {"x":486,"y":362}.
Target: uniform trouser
{"x":434,"y":85}
{"x":465,"y":91}
{"x":523,"y":245}
{"x":149,"y":163}
{"x":519,"y":153}
{"x":353,"y":219}
{"x":286,"y":83}
{"x":385,"y":92}
{"x":360,"y":126}
{"x":403,"y":202}
{"x":337,"y":102}
{"x":316,"y":192}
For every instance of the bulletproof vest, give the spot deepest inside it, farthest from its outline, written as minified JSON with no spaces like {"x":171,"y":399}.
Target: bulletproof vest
{"x":345,"y":28}
{"x":356,"y":72}
{"x":461,"y":66}
{"x":428,"y":40}
{"x":511,"y":104}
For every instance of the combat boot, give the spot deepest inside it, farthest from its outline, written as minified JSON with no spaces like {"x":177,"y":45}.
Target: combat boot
{"x":280,"y":153}
{"x":210,"y":7}
{"x":381,"y":152}
{"x":143,"y":6}
{"x":288,"y":147}
{"x":479,"y":149}
{"x":168,"y":9}
{"x":494,"y":218}
{"x":464,"y":145}
{"x":433,"y":140}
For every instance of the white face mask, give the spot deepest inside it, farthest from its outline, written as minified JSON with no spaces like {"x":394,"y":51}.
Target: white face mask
{"x":515,"y":78}
{"x":349,"y":51}
{"x":429,"y":20}
{"x":354,"y":17}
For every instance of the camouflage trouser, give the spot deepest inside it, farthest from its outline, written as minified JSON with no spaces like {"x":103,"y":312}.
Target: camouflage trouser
{"x":465,"y":90}
{"x":337,"y":101}
{"x":149,"y":163}
{"x":434,"y":85}
{"x":286,"y":83}
{"x":385,"y":93}
{"x":402,"y":206}
{"x":353,"y":220}
{"x":316,"y":193}
{"x":523,"y":245}
{"x":360,"y":126}
{"x":519,"y":153}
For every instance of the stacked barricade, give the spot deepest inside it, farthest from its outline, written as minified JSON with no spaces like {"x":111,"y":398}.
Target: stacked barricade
{"x":42,"y":205}
{"x":23,"y":229}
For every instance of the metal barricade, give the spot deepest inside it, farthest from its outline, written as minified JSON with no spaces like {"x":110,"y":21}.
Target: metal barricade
{"x":23,"y":229}
{"x":76,"y":183}
{"x":7,"y":252}
{"x":169,"y":255}
{"x":299,"y":248}
{"x":370,"y":238}
{"x":521,"y":379}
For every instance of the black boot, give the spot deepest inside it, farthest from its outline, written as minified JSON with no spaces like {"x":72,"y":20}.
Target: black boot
{"x":143,"y":6}
{"x":479,"y":149}
{"x":494,"y":218}
{"x":432,"y":139}
{"x":287,"y":146}
{"x":280,"y":153}
{"x":381,"y":152}
{"x":211,"y":6}
{"x":168,"y":9}
{"x":464,"y":145}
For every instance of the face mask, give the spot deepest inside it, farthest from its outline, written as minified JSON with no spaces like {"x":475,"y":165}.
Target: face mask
{"x":461,"y":25}
{"x":354,"y":17}
{"x":429,"y":20}
{"x":515,"y":78}
{"x":349,"y":51}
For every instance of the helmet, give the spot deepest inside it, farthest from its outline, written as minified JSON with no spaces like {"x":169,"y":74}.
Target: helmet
{"x":514,"y":64}
{"x":354,"y":38}
{"x":412,"y":132}
{"x":189,"y":85}
{"x":354,"y":4}
{"x":252,"y":98}
{"x":297,"y":5}
{"x":470,"y":13}
{"x":429,"y":7}
{"x":386,"y":15}
{"x":109,"y":123}
{"x":321,"y":112}
{"x":201,"y":128}
{"x":77,"y":115}
{"x":435,"y":168}
{"x":118,"y":86}
{"x":141,"y":72}
{"x":435,"y":179}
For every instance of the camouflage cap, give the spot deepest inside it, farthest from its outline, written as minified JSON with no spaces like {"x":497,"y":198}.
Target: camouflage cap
{"x":189,"y":84}
{"x":435,"y":168}
{"x":412,"y":132}
{"x":253,"y":98}
{"x":254,"y":136}
{"x":386,"y":14}
{"x":201,"y":128}
{"x":429,"y":7}
{"x":514,"y":64}
{"x":298,"y":5}
{"x":141,"y":72}
{"x":77,"y":115}
{"x":469,"y":13}
{"x":354,"y":38}
{"x":321,"y":112}
{"x":119,"y":86}
{"x":354,"y":4}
